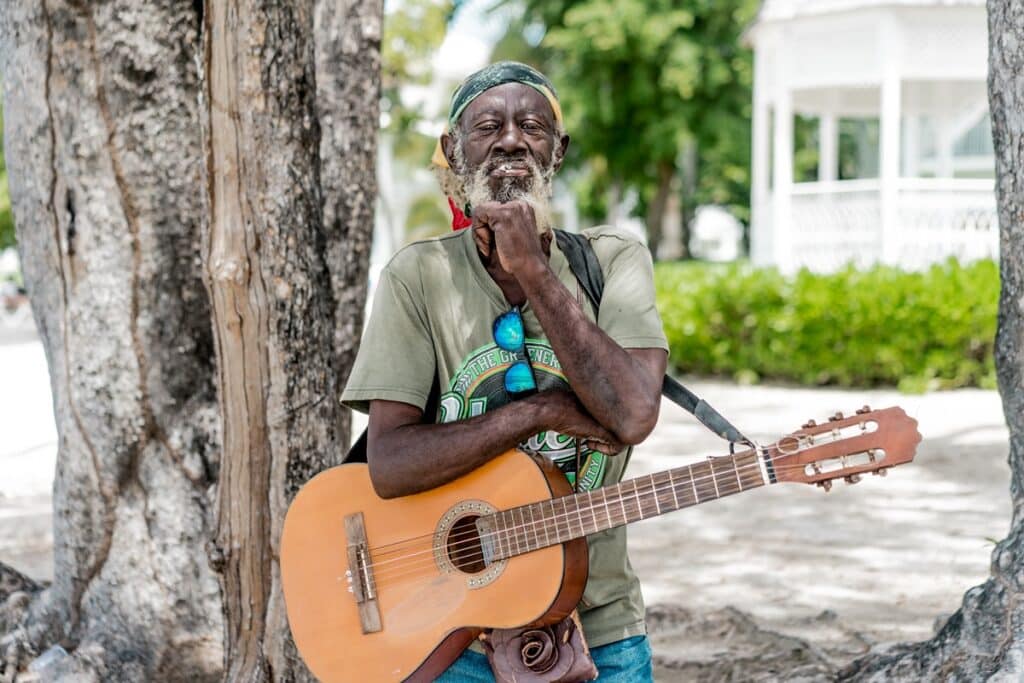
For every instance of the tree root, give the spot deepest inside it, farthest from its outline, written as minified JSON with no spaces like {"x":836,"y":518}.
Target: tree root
{"x":30,"y":622}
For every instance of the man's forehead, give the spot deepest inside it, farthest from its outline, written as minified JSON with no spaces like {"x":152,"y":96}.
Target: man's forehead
{"x":508,"y":98}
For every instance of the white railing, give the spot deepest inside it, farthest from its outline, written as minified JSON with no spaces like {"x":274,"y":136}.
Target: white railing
{"x":836,"y":223}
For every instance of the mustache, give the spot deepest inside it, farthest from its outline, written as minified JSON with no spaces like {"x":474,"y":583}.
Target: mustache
{"x":500,"y":159}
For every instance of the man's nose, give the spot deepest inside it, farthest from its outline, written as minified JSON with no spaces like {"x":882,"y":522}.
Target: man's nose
{"x":511,"y":139}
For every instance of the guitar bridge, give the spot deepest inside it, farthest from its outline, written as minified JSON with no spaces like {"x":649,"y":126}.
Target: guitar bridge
{"x":360,"y":574}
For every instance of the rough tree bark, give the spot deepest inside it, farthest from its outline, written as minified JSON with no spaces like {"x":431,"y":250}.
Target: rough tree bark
{"x":984,"y":640}
{"x":118,"y":191}
{"x":273,"y":303}
{"x":103,"y":159}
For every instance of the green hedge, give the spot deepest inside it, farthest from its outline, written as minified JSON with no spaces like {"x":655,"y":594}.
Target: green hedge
{"x":883,"y":326}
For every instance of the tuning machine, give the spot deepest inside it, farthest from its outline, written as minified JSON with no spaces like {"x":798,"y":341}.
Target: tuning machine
{"x":835,"y":418}
{"x":826,"y":484}
{"x":809,"y":424}
{"x":865,"y":409}
{"x":881,"y":472}
{"x":852,"y":479}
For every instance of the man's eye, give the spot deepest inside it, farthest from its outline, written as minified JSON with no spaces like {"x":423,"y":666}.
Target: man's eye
{"x":487,"y":127}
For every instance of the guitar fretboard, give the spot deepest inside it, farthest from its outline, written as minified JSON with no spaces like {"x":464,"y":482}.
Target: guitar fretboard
{"x":549,"y":522}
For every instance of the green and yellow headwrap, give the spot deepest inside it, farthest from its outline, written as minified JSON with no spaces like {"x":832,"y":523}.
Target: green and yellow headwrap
{"x":489,"y":77}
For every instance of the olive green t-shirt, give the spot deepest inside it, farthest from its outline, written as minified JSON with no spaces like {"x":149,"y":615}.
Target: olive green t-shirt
{"x":432,"y":313}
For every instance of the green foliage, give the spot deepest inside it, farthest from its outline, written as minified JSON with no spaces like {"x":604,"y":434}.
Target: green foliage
{"x":413,"y":32}
{"x":6,"y":217}
{"x":428,"y":217}
{"x":883,"y":326}
{"x":638,"y":80}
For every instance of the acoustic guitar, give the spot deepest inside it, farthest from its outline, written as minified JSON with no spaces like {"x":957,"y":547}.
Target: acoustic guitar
{"x":391,"y":590}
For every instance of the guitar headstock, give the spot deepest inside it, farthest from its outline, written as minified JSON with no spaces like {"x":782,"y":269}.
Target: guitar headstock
{"x":846,"y":447}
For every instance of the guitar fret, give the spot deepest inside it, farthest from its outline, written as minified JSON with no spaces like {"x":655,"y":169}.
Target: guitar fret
{"x":547,"y":536}
{"x":607,"y":510}
{"x":693,"y":483}
{"x":654,"y":490}
{"x":593,"y":512}
{"x":517,"y":526}
{"x":714,"y":477}
{"x":579,"y":515}
{"x":503,"y":546}
{"x":672,"y":485}
{"x":639,"y":505}
{"x":532,"y":528}
{"x":736,"y":469}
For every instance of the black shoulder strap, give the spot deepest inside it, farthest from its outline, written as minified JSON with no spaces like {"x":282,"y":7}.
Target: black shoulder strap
{"x":585,"y":266}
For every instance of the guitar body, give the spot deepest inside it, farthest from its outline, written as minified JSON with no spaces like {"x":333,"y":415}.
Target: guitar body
{"x":430,"y":595}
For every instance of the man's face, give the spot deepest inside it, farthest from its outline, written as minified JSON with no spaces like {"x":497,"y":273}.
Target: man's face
{"x":508,"y":143}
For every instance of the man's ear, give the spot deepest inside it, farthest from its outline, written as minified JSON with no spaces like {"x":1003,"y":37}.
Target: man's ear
{"x":564,"y":144}
{"x":448,"y":147}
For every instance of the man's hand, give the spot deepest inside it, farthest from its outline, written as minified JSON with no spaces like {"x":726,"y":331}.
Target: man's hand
{"x":566,"y":415}
{"x":510,"y":230}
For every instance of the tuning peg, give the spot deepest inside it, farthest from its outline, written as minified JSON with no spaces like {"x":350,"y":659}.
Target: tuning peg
{"x":809,"y":424}
{"x":865,"y":409}
{"x":882,"y":472}
{"x":827,"y":485}
{"x":852,"y":479}
{"x":835,"y":418}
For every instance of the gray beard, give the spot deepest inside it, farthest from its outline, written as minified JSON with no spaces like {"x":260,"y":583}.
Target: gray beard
{"x":534,"y":189}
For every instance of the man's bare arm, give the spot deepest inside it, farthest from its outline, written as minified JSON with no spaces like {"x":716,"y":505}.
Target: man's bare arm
{"x":620,"y":388}
{"x":406,"y":456}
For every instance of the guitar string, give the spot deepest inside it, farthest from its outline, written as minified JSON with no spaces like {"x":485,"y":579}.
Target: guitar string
{"x":642,"y":488}
{"x":646,"y":488}
{"x":747,"y":452}
{"x":375,"y":550}
{"x":435,"y":536}
{"x":659,"y":488}
{"x":411,"y":569}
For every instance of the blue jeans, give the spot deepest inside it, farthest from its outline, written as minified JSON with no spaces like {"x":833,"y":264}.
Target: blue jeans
{"x":627,"y":661}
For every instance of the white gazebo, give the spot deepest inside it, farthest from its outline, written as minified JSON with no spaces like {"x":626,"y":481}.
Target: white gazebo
{"x":894,"y":92}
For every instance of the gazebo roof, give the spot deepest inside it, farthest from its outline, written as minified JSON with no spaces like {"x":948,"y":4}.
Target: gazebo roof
{"x":780,"y":10}
{"x":821,"y":45}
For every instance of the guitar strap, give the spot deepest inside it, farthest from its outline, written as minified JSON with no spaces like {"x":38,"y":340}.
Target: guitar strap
{"x":585,"y":266}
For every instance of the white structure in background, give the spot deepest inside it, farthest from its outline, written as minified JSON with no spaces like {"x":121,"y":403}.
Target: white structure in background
{"x":917,"y":68}
{"x":715,"y":234}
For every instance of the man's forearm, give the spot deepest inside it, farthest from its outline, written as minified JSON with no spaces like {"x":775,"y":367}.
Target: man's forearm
{"x":417,"y":457}
{"x":613,"y":387}
{"x":406,"y":456}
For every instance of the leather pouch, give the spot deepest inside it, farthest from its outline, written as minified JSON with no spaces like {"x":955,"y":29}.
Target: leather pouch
{"x":545,"y":654}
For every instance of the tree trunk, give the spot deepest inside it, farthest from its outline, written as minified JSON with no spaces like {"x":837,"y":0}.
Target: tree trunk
{"x":103,"y":157}
{"x":688,"y":192}
{"x":348,"y":36}
{"x":656,"y":209}
{"x":984,"y":640}
{"x":165,"y":172}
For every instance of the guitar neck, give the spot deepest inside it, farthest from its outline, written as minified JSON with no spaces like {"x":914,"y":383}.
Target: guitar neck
{"x":549,"y":522}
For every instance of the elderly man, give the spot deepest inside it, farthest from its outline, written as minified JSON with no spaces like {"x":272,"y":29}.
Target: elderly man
{"x":441,"y":308}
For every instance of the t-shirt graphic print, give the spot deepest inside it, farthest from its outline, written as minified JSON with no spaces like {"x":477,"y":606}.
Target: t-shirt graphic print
{"x":478,"y":385}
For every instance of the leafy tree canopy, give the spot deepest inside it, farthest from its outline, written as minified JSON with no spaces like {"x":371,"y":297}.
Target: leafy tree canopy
{"x":413,"y":32}
{"x":639,"y":80}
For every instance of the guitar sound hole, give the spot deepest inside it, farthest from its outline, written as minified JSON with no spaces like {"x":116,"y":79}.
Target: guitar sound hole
{"x":463,"y":546}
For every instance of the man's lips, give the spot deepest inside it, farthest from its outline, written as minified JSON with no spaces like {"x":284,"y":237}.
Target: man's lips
{"x":510,"y":169}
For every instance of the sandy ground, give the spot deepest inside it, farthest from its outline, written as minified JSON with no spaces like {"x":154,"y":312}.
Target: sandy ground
{"x":785,"y":582}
